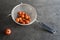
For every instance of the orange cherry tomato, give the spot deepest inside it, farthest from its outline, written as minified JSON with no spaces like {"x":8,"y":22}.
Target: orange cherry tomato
{"x":8,"y":31}
{"x":23,"y":13}
{"x":17,"y":19}
{"x":27,"y":21}
{"x":23,"y":22}
{"x":24,"y":19}
{"x":22,"y":16}
{"x":20,"y":12}
{"x":27,"y":17}
{"x":20,"y":20}
{"x":19,"y":15}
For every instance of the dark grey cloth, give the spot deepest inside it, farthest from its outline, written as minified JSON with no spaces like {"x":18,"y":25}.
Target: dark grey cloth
{"x":48,"y":11}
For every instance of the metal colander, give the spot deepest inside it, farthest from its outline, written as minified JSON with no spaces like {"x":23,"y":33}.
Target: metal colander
{"x":30,"y":10}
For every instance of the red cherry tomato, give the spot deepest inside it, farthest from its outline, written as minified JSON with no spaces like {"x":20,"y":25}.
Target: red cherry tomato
{"x":20,"y":12}
{"x":17,"y":19}
{"x":20,"y":20}
{"x":7,"y":31}
{"x":22,"y":16}
{"x":23,"y":13}
{"x":27,"y":17}
{"x":27,"y":21}
{"x":23,"y":22}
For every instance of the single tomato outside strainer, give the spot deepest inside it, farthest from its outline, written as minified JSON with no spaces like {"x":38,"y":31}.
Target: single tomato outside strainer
{"x":31,"y":11}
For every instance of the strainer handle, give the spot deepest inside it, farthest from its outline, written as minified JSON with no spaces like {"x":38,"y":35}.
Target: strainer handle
{"x":46,"y":27}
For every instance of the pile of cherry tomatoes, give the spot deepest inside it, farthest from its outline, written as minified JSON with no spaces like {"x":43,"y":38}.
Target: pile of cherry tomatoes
{"x":23,"y":17}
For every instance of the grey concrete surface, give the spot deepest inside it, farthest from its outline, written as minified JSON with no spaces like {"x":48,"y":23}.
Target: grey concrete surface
{"x":48,"y":12}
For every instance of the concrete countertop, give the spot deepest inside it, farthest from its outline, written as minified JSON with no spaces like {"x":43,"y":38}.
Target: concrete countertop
{"x":48,"y":12}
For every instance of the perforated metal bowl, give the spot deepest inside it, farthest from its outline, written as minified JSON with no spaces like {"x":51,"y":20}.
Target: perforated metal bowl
{"x":26,"y":8}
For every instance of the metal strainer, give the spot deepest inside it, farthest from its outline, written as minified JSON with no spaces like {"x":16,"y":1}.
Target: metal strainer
{"x":30,"y":11}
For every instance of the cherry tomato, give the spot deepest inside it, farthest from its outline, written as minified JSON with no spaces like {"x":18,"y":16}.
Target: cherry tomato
{"x":27,"y":17}
{"x":23,"y":22}
{"x":27,"y":21}
{"x":20,"y":12}
{"x":7,"y":31}
{"x":23,"y":13}
{"x":17,"y":19}
{"x":24,"y":19}
{"x":22,"y":16}
{"x":20,"y":20}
